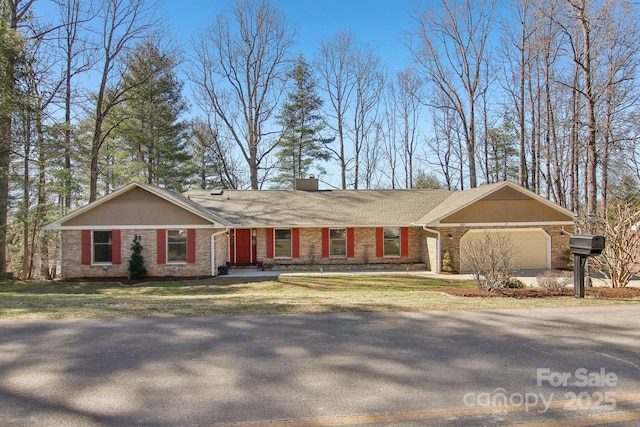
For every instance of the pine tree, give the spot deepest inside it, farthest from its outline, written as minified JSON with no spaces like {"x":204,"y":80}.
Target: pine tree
{"x":137,"y":270}
{"x":301,"y":143}
{"x":149,"y":128}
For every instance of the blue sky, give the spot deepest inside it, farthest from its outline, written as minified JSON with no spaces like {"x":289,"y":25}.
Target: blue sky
{"x":378,"y":23}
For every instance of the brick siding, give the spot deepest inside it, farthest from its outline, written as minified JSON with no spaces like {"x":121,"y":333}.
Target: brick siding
{"x":72,"y":255}
{"x":310,"y":252}
{"x":364,"y":249}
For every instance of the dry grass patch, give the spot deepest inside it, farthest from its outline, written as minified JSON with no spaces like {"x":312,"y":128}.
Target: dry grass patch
{"x":234,"y":296}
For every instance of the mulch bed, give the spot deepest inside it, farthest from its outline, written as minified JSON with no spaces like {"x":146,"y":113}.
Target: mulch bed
{"x":617,"y":293}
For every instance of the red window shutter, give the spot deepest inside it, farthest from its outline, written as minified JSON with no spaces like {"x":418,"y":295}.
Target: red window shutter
{"x":86,"y":247}
{"x":115,"y":247}
{"x":269,"y":242}
{"x":351,"y":243}
{"x":404,"y":241}
{"x":380,"y":242}
{"x":295,"y":243}
{"x":161,"y":244}
{"x":191,"y":246}
{"x":325,"y":243}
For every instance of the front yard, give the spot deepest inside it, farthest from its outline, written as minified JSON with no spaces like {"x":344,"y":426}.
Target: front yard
{"x":234,"y":296}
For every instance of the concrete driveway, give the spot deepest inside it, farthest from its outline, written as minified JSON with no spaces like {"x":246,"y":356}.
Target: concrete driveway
{"x":430,"y":368}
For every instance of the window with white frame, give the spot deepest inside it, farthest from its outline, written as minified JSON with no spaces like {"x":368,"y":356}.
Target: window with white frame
{"x":102,"y":247}
{"x":177,"y":246}
{"x":392,"y":242}
{"x":282,"y":243}
{"x":338,"y":242}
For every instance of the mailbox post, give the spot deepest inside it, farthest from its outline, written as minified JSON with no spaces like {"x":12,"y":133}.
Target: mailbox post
{"x":583,"y":246}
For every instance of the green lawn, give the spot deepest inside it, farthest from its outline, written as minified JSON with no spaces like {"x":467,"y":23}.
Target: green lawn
{"x":227,"y":296}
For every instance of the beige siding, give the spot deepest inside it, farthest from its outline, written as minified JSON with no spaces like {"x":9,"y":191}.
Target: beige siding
{"x":136,"y":207}
{"x":506,"y":205}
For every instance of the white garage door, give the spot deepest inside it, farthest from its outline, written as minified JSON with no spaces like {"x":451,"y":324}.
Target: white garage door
{"x":532,"y":246}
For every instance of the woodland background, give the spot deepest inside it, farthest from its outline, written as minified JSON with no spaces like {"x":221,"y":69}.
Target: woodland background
{"x":539,"y":92}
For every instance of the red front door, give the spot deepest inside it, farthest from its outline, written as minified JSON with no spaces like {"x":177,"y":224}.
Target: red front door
{"x":243,"y":246}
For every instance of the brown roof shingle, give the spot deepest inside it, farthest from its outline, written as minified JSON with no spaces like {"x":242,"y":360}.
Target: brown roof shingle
{"x":269,"y":208}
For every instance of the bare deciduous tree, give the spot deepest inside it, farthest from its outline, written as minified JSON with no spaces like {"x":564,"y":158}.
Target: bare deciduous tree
{"x":490,"y":260}
{"x":76,"y":61}
{"x":581,"y":46}
{"x":369,"y":83}
{"x":213,"y":156}
{"x":446,"y":144}
{"x":240,"y":70}
{"x":335,"y":64}
{"x":452,"y":51}
{"x":407,"y":102}
{"x":620,"y":224}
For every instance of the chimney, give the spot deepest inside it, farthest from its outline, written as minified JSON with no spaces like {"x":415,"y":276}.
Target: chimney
{"x":307,"y":184}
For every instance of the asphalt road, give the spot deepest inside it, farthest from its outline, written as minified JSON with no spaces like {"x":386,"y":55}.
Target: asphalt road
{"x":431,"y":368}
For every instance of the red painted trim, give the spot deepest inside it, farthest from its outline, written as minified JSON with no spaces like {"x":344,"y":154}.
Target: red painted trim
{"x":295,"y":243}
{"x":380,"y":242}
{"x":325,"y":243}
{"x":351,"y":243}
{"x":191,"y":246}
{"x":116,"y":257}
{"x":254,"y":245}
{"x":161,"y":244}
{"x":86,"y":247}
{"x":404,"y":241}
{"x":270,"y":240}
{"x":232,"y":247}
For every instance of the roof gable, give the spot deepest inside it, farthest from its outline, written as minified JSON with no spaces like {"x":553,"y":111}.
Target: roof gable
{"x":139,"y":205}
{"x":503,"y":202}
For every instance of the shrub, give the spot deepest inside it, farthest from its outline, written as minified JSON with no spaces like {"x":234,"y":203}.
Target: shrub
{"x":447,"y":262}
{"x":554,"y":280}
{"x":514,"y":283}
{"x":490,"y":260}
{"x":137,"y":270}
{"x":6,"y":276}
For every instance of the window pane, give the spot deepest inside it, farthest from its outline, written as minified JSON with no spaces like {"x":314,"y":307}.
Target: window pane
{"x":177,"y":245}
{"x":282,"y":243}
{"x":177,"y":235}
{"x":391,"y":233}
{"x":391,"y":242}
{"x":391,"y":248}
{"x":283,"y":234}
{"x":337,"y":233}
{"x":338,"y":242}
{"x":102,"y":237}
{"x":102,"y":247}
{"x":282,"y":249}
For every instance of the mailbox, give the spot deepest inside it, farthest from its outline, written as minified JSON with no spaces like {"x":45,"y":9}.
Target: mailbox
{"x":586,"y":244}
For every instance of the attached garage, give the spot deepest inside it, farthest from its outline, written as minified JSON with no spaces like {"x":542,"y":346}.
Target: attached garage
{"x":532,"y":246}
